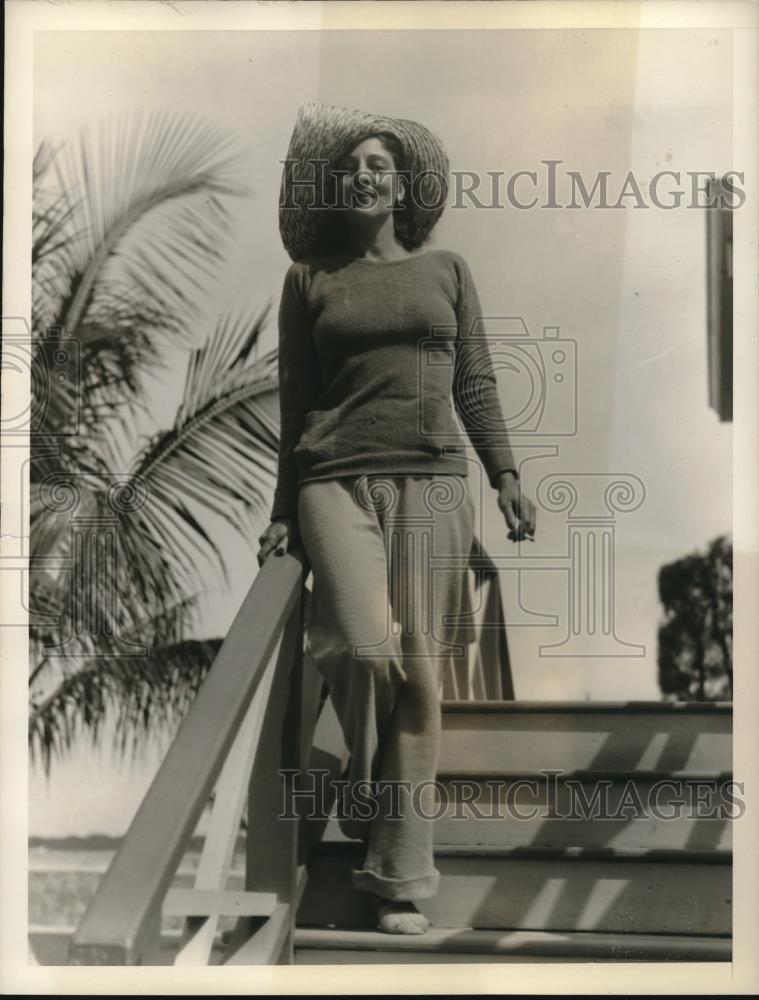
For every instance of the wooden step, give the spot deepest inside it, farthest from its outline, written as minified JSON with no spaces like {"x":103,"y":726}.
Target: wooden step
{"x":49,"y":946}
{"x":610,"y":890}
{"x":661,"y":811}
{"x":498,"y":738}
{"x":316,"y":946}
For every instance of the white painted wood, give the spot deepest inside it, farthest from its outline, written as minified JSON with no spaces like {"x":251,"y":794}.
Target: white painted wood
{"x":315,"y":946}
{"x":321,"y":946}
{"x":619,"y":895}
{"x":345,"y":956}
{"x":525,"y":742}
{"x":117,"y":926}
{"x":264,"y":947}
{"x":218,"y":849}
{"x":512,"y":814}
{"x":228,"y":903}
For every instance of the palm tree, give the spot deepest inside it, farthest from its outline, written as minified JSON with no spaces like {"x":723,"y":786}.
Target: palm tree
{"x":130,"y":226}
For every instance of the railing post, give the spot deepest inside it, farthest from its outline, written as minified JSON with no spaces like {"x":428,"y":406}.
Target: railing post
{"x":272,"y":841}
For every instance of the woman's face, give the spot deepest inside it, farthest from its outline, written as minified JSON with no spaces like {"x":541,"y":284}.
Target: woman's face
{"x":367,"y":182}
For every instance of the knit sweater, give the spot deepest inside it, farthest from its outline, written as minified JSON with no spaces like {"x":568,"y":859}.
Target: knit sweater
{"x":374,"y":357}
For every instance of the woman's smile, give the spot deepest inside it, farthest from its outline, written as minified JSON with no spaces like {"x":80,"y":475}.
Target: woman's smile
{"x":367,"y":178}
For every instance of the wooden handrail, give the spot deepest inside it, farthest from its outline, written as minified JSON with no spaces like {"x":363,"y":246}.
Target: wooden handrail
{"x":279,"y":703}
{"x":125,"y":911}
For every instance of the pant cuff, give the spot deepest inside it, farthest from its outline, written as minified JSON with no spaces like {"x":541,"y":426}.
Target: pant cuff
{"x":419,"y":887}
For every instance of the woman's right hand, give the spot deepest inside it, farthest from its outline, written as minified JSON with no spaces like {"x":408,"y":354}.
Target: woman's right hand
{"x":280,"y":537}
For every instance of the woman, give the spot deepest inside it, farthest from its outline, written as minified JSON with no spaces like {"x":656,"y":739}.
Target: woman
{"x":378,"y":342}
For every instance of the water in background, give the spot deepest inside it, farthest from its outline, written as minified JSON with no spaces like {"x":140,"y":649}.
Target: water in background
{"x":63,"y":881}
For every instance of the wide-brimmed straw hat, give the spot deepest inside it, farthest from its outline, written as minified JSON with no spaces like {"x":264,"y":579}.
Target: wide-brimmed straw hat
{"x":322,"y":134}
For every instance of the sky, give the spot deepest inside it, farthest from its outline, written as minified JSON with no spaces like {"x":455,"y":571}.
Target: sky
{"x":626,"y":288}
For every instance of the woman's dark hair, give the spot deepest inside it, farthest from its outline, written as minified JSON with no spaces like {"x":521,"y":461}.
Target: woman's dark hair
{"x":407,"y":231}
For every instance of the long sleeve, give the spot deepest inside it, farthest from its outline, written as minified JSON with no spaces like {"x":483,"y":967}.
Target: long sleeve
{"x":298,"y":386}
{"x":475,"y":390}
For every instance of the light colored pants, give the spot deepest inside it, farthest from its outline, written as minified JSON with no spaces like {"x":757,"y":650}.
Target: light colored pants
{"x":389,"y":556}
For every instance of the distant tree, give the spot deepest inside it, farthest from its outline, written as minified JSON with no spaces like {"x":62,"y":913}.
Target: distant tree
{"x":696,"y":637}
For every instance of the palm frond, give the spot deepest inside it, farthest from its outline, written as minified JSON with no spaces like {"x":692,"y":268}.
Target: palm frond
{"x":221,"y":452}
{"x":51,"y":211}
{"x":163,"y":174}
{"x":58,"y":604}
{"x":145,"y":696}
{"x":141,"y":537}
{"x":129,"y":224}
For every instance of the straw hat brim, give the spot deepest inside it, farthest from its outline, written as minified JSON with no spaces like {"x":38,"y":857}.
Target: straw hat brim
{"x":322,"y":133}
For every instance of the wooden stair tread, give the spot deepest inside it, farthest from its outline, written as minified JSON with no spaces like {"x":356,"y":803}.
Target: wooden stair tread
{"x":586,"y":774}
{"x":593,"y":889}
{"x":342,"y":945}
{"x":354,"y":956}
{"x":590,"y":707}
{"x":494,"y":737}
{"x":684,"y":834}
{"x":462,"y":941}
{"x":552,"y":892}
{"x":348,"y":848}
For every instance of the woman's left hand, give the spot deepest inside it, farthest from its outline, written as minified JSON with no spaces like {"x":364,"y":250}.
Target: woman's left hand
{"x":518,"y":509}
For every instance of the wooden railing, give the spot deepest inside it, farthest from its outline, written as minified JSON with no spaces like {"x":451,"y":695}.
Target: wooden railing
{"x":258,"y":714}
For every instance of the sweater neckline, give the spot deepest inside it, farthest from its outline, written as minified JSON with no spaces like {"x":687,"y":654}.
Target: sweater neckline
{"x":393,"y":260}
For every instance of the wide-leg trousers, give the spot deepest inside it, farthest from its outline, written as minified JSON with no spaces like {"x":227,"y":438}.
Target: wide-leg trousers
{"x":389,"y":557}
